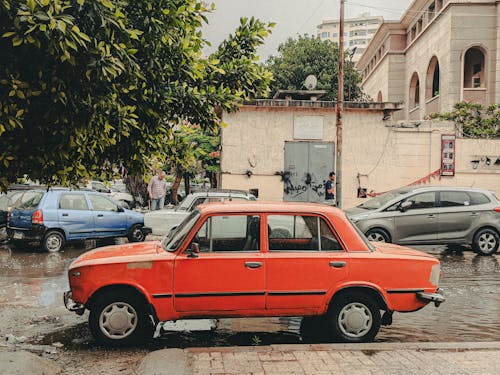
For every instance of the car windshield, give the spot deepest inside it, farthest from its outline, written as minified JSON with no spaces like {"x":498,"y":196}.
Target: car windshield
{"x":383,"y":199}
{"x":29,"y":199}
{"x":175,"y":237}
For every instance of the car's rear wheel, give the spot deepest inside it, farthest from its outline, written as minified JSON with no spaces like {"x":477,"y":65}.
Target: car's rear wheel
{"x":486,"y":242}
{"x":53,"y":241}
{"x":355,"y":318}
{"x":118,"y":319}
{"x":136,"y":234}
{"x":378,"y":235}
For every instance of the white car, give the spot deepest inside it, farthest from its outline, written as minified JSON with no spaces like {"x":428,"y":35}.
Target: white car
{"x":118,"y":192}
{"x":162,"y":221}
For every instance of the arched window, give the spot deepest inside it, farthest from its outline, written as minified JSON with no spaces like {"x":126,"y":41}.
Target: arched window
{"x":474,"y":68}
{"x":414,"y":91}
{"x":379,"y":96}
{"x":432,"y":79}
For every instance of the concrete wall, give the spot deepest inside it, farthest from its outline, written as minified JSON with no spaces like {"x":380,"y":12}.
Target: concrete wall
{"x":377,"y":155}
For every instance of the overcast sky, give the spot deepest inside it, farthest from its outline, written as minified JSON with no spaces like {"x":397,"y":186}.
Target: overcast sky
{"x":292,"y":17}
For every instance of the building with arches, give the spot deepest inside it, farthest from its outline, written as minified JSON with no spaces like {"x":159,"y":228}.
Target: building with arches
{"x":439,"y":53}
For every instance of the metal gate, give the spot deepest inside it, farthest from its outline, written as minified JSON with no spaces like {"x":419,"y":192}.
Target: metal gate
{"x":307,"y":165}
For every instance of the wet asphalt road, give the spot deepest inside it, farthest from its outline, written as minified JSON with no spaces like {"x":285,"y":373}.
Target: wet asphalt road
{"x":32,"y":282}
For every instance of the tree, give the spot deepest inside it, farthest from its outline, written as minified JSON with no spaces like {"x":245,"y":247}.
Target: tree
{"x":298,"y":58}
{"x":474,"y":120}
{"x":84,"y":84}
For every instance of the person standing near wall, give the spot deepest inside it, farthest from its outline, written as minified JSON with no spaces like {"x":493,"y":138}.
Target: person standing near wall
{"x":330,"y":189}
{"x":157,"y":189}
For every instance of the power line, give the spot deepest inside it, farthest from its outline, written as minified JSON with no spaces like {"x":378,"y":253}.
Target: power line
{"x":311,"y":16}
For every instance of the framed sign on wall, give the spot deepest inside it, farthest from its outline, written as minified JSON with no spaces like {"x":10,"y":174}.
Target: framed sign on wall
{"x":448,"y":153}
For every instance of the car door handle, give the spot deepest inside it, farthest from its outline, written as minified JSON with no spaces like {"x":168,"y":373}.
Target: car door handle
{"x":253,"y":264}
{"x":64,"y":214}
{"x":431,"y":215}
{"x":337,"y":264}
{"x":100,"y":215}
{"x":474,"y":214}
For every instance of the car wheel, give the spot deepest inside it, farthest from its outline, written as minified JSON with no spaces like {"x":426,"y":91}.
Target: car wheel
{"x":355,"y":318}
{"x":136,"y":234}
{"x":119,"y":320}
{"x":53,"y":241}
{"x":378,"y":235}
{"x":486,"y":242}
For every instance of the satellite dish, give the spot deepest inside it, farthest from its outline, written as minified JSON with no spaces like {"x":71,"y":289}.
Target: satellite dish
{"x":310,"y":82}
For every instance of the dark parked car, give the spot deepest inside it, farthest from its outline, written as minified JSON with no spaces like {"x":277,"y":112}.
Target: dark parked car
{"x":56,"y":216}
{"x":6,"y":200}
{"x":432,"y":215}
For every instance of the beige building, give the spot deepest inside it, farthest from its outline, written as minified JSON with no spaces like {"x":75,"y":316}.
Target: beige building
{"x":286,"y":148}
{"x":441,"y":52}
{"x":357,"y":32}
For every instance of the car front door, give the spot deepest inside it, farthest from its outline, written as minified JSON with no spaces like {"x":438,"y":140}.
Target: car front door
{"x":304,"y":261}
{"x":456,"y":216}
{"x":418,"y":222}
{"x":109,"y":218}
{"x":75,"y":216}
{"x":228,"y":273}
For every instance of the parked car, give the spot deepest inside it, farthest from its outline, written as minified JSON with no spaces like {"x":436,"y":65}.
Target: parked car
{"x":162,"y":221}
{"x":432,"y":215}
{"x":117,"y":191}
{"x":223,"y":260}
{"x":6,"y":200}
{"x":55,"y":216}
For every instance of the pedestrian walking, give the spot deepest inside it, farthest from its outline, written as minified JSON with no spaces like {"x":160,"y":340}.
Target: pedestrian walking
{"x":157,"y":189}
{"x":330,"y":189}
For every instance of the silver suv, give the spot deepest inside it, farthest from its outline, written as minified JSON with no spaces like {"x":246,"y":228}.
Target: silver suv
{"x":161,"y":221}
{"x":432,"y":215}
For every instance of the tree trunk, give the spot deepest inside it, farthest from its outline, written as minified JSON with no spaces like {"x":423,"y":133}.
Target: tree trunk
{"x":187,"y":183}
{"x":138,"y":188}
{"x":175,"y":186}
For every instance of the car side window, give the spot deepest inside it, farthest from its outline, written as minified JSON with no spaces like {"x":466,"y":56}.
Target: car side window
{"x":197,"y":202}
{"x":300,"y":233}
{"x":100,"y":203}
{"x":73,"y":202}
{"x":422,"y":200}
{"x":230,"y":233}
{"x":454,"y":198}
{"x":478,"y":198}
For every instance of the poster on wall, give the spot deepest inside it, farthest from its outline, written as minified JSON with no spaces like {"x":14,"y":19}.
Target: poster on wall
{"x":448,"y":153}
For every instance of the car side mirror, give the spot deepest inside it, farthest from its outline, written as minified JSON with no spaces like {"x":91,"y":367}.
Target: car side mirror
{"x":193,"y":250}
{"x":405,"y":206}
{"x":120,"y":209}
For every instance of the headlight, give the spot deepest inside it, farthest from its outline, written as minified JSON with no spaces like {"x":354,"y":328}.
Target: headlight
{"x":435,"y":274}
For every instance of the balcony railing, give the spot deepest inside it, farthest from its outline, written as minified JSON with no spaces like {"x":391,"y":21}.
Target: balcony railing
{"x":474,"y":95}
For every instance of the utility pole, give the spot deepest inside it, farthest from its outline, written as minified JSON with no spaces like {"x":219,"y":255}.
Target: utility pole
{"x":339,"y":108}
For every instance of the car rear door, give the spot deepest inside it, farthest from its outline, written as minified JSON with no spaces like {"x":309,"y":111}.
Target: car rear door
{"x":228,"y":273}
{"x":456,"y":215}
{"x":109,"y":218}
{"x":304,"y":261}
{"x":419,"y":222}
{"x":75,"y":216}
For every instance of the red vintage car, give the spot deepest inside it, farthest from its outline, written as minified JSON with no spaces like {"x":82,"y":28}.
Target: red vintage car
{"x":253,"y":259}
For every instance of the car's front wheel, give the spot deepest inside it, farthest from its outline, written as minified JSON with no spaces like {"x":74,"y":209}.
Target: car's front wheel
{"x":355,"y":318}
{"x":136,"y":234}
{"x":53,"y":241}
{"x":486,"y":242}
{"x":378,"y":235}
{"x":118,"y":319}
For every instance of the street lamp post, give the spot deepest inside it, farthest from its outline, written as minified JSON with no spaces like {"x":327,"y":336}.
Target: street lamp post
{"x":339,"y":107}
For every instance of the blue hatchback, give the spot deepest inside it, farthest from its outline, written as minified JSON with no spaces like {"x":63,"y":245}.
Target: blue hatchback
{"x":56,"y":216}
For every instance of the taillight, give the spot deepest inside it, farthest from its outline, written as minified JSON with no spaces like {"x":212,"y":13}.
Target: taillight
{"x":37,"y":217}
{"x":497,"y":209}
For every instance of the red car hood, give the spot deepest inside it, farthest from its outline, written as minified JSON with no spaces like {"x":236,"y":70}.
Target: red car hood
{"x":143,"y":251}
{"x":389,"y":248}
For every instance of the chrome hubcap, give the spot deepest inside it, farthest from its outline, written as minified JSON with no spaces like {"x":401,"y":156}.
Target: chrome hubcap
{"x":376,"y":236}
{"x":53,"y":243}
{"x":487,"y":242}
{"x":118,"y":320}
{"x":355,"y":320}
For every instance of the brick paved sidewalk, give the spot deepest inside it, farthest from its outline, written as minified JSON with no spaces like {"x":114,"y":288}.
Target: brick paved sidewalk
{"x":418,"y":358}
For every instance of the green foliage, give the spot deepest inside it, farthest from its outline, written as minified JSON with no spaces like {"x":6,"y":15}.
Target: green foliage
{"x":298,"y":58}
{"x":90,"y":83}
{"x":473,"y":120}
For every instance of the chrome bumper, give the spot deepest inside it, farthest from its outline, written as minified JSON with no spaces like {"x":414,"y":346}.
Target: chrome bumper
{"x":437,"y":297}
{"x":72,"y":305}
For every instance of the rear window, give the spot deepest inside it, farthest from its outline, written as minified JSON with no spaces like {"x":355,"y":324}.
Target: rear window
{"x":27,"y":200}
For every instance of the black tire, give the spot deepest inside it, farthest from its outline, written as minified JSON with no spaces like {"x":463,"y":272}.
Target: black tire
{"x":120,"y":319}
{"x":354,"y":318}
{"x":486,"y":242}
{"x":136,"y":234}
{"x":378,"y":235}
{"x":53,"y":241}
{"x":315,"y":329}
